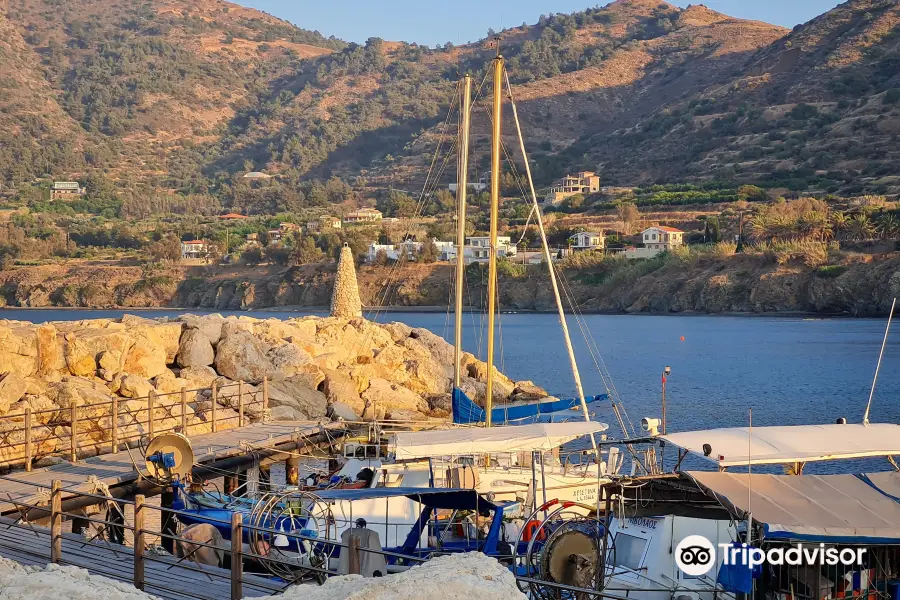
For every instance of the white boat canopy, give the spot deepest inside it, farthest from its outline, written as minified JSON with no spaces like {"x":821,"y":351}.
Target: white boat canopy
{"x":733,"y":446}
{"x":484,"y":440}
{"x":827,"y":508}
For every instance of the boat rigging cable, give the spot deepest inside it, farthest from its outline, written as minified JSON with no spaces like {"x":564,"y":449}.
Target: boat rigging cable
{"x":592,"y":346}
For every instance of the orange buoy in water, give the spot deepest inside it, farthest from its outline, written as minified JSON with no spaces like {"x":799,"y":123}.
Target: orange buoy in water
{"x":682,"y":338}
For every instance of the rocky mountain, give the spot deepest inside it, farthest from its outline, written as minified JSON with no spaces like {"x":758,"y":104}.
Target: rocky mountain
{"x":182,"y":95}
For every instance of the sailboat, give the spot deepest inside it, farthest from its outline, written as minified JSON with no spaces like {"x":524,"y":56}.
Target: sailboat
{"x":506,"y":452}
{"x":465,"y":411}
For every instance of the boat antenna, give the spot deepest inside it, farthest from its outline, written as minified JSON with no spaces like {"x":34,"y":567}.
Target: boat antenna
{"x":549,"y":260}
{"x":878,"y":365}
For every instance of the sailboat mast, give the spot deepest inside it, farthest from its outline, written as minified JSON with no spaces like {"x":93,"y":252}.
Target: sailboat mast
{"x":495,"y":208}
{"x":461,"y":183}
{"x":549,"y":260}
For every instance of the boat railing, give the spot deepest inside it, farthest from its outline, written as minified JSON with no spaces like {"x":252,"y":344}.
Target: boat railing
{"x":82,"y":430}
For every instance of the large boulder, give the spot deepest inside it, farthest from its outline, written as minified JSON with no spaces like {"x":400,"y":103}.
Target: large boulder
{"x":195,"y":349}
{"x":198,"y":377}
{"x":338,"y":387}
{"x":389,"y":396}
{"x":287,"y":413}
{"x":51,"y":359}
{"x":342,"y":412}
{"x":296,"y":394}
{"x":289,"y":359}
{"x":77,"y":391}
{"x":43,"y":410}
{"x":404,"y":415}
{"x":527,"y":391}
{"x":398,"y":331}
{"x":441,"y":350}
{"x":242,"y":356}
{"x":134,"y":386}
{"x":474,"y":389}
{"x":166,"y":336}
{"x":145,"y":359}
{"x":209,"y":325}
{"x":12,"y":388}
{"x":18,"y":349}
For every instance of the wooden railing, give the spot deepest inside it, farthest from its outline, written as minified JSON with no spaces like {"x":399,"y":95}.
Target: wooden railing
{"x":135,"y":564}
{"x":106,"y":427}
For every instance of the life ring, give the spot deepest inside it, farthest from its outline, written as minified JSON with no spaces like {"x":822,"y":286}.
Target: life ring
{"x":531,"y":528}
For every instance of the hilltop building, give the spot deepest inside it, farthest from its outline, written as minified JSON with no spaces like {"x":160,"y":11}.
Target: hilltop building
{"x":474,"y":186}
{"x":364,"y":215}
{"x":323,"y":225}
{"x":587,"y":240}
{"x":194,"y":250}
{"x":585,"y":182}
{"x":66,"y":190}
{"x":656,"y":239}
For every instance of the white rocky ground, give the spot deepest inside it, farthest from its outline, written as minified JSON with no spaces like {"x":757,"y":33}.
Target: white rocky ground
{"x":472,"y":576}
{"x":55,"y":582}
{"x":318,"y":368}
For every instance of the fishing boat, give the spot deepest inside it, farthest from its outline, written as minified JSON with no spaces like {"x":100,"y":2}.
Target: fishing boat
{"x":298,"y":535}
{"x":521,"y":463}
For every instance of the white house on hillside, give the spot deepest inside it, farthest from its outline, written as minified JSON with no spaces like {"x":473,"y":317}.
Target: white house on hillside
{"x":478,"y":249}
{"x":195,"y":249}
{"x":656,"y":239}
{"x":587,"y":240}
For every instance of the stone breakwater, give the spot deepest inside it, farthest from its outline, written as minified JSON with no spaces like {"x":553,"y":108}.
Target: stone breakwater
{"x":316,"y":368}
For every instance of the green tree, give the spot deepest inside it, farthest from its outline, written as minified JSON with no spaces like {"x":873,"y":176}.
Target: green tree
{"x":306,"y":252}
{"x":166,"y":249}
{"x":751,"y":193}
{"x":712,"y":232}
{"x":429,"y":252}
{"x":629,"y":215}
{"x":252,"y":256}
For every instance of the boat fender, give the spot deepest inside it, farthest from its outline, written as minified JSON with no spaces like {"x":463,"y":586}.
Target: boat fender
{"x":533,"y":530}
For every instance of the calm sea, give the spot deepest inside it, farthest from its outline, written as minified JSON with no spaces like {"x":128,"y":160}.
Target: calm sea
{"x":788,"y":370}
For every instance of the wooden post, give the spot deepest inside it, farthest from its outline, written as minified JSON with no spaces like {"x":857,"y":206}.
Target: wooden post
{"x":241,"y":403}
{"x":28,"y":450}
{"x":150,"y":398}
{"x":236,"y":558}
{"x":183,"y":410}
{"x":215,"y":402}
{"x":114,"y":423}
{"x":73,"y":449}
{"x":354,"y":555}
{"x":55,"y":521}
{"x":265,"y":392}
{"x":139,"y":541}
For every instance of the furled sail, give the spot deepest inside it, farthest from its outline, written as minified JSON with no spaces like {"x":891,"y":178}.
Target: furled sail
{"x":465,"y":411}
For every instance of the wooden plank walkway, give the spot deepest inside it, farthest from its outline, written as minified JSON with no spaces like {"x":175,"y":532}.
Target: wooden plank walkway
{"x":164,"y":576}
{"x":118,"y":469}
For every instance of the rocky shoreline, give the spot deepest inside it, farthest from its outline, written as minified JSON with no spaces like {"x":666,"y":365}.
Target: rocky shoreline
{"x":315,"y":368}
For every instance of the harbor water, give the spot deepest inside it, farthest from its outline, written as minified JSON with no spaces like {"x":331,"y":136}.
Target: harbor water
{"x":788,"y":370}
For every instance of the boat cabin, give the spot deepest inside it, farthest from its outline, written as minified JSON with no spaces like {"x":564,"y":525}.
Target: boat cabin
{"x":838,"y":515}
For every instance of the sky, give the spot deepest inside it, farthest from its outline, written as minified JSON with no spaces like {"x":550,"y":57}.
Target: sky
{"x":434,"y":22}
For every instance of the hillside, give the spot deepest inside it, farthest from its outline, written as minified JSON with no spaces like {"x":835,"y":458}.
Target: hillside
{"x":129,"y":88}
{"x":183,"y":95}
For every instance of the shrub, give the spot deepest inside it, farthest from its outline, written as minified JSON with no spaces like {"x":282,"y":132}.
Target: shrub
{"x":830,"y":271}
{"x":723,"y":249}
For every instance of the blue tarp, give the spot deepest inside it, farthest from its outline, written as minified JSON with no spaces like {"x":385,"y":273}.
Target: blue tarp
{"x":465,"y":411}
